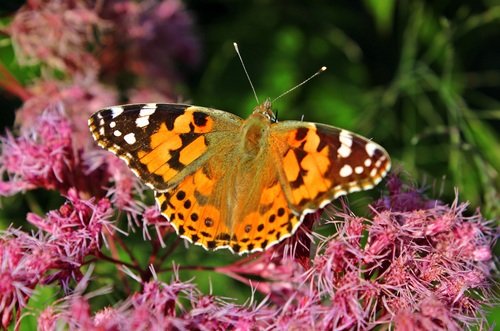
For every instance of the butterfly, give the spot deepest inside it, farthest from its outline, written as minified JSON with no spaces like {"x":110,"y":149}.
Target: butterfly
{"x":225,"y":182}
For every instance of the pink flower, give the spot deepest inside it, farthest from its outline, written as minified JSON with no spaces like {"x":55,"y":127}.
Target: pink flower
{"x":42,"y":157}
{"x":45,"y":156}
{"x":409,"y":256}
{"x":47,"y":319}
{"x":415,"y":280}
{"x":24,"y":260}
{"x":135,"y":44}
{"x":77,"y":100}
{"x":159,"y":306}
{"x":401,"y":198}
{"x":56,"y":34}
{"x":276,"y":273}
{"x":151,"y":217}
{"x":76,"y":230}
{"x":428,"y":314}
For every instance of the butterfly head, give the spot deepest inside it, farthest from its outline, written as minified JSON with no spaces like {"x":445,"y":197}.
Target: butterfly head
{"x":265,"y":110}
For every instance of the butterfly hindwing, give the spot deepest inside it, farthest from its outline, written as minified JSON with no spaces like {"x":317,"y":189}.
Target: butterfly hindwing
{"x":161,"y":143}
{"x":198,"y":208}
{"x":321,"y":162}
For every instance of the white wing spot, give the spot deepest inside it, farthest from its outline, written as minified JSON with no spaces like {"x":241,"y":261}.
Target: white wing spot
{"x":142,"y":121}
{"x":101,"y":122}
{"x":130,"y":138}
{"x":368,"y":162}
{"x":116,"y":111}
{"x":371,"y":148}
{"x":345,"y":171}
{"x":101,"y":131}
{"x":373,"y":172}
{"x":147,"y":110}
{"x":117,"y":133}
{"x":345,"y":138}
{"x":358,"y":170}
{"x":344,"y":151}
{"x":112,"y":124}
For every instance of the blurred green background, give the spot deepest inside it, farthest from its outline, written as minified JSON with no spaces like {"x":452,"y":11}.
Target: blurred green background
{"x":422,"y":78}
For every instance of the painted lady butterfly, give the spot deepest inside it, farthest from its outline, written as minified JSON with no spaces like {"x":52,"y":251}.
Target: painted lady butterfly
{"x":225,"y":182}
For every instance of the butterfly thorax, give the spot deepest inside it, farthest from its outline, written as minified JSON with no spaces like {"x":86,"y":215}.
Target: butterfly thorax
{"x":255,"y":130}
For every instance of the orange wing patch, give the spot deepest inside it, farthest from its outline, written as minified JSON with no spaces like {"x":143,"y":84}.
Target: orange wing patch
{"x":305,"y":165}
{"x":321,"y":162}
{"x":190,"y":121}
{"x":196,"y":216}
{"x":169,"y":152}
{"x":272,"y":222}
{"x":187,"y":208}
{"x":158,"y":141}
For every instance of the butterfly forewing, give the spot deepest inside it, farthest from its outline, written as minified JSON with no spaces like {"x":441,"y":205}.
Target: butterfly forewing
{"x":321,"y":163}
{"x":161,"y":143}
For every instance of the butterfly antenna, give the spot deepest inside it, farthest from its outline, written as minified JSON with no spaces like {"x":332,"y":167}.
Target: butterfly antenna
{"x":246,"y":72}
{"x":299,"y":85}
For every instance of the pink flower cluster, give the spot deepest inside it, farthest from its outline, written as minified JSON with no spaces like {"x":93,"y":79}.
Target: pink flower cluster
{"x":54,"y":254}
{"x":66,"y":29}
{"x":415,"y":264}
{"x":42,"y":157}
{"x":159,"y":306}
{"x":422,"y":269}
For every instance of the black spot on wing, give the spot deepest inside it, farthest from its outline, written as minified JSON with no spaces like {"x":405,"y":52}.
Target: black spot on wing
{"x":180,"y":195}
{"x":200,"y":119}
{"x":236,"y":248}
{"x":167,"y":113}
{"x":301,"y":133}
{"x":299,"y":154}
{"x":223,"y":236}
